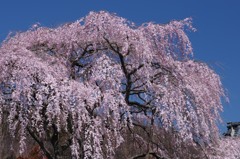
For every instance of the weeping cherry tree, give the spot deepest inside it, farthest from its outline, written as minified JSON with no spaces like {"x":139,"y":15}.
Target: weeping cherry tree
{"x":75,"y":90}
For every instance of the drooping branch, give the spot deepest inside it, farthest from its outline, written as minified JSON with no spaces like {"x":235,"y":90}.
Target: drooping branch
{"x":40,"y":143}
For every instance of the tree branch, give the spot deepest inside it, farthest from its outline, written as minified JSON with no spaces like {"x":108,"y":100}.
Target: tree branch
{"x":40,"y":143}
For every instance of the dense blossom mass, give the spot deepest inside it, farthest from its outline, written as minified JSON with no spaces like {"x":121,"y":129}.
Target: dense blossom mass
{"x":228,"y":148}
{"x":80,"y":87}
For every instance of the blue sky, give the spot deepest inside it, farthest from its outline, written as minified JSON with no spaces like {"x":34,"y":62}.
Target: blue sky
{"x":216,"y":42}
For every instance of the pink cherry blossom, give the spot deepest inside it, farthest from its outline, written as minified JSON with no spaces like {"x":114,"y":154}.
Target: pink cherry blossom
{"x":78,"y":86}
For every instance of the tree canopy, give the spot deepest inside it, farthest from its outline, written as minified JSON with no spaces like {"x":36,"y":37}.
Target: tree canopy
{"x":78,"y":88}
